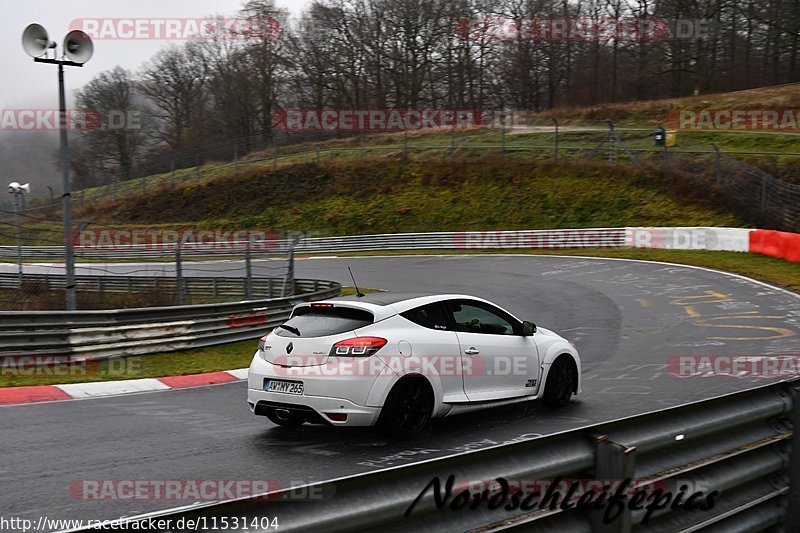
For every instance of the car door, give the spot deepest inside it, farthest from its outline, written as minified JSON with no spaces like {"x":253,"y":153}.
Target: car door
{"x":498,"y":361}
{"x":436,"y":350}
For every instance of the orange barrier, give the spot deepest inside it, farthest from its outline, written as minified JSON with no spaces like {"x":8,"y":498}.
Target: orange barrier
{"x":776,"y":244}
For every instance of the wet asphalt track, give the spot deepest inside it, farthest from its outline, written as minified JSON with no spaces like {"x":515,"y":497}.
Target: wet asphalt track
{"x":625,"y":317}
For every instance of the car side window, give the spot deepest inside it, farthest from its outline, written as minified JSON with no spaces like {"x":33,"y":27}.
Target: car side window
{"x":476,"y":318}
{"x":431,"y":316}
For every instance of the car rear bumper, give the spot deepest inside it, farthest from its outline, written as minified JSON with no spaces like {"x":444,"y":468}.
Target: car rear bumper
{"x":315,"y":408}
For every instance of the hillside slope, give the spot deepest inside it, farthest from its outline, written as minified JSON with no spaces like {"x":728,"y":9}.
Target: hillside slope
{"x":373,"y":196}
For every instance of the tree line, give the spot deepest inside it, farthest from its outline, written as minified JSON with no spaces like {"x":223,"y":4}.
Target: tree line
{"x":441,"y":54}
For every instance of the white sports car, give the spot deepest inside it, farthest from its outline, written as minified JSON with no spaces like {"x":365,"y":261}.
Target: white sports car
{"x":397,"y":360}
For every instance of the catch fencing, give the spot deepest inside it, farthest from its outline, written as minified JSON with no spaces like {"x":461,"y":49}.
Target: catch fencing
{"x":728,"y":464}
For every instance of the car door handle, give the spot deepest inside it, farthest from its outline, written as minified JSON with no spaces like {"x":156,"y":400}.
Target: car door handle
{"x":472,"y":351}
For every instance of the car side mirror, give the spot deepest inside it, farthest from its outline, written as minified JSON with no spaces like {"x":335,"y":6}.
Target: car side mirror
{"x":528,"y":329}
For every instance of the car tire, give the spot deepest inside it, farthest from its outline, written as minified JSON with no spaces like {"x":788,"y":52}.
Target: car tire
{"x":407,"y":409}
{"x":560,"y":383}
{"x":285,"y":418}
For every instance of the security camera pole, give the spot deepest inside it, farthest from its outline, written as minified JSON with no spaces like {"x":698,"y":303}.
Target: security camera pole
{"x":78,"y":46}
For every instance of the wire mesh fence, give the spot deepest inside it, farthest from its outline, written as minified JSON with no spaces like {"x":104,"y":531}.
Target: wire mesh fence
{"x":506,"y":135}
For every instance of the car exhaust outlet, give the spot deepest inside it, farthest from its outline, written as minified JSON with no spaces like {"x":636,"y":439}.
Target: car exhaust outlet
{"x":283,"y":414}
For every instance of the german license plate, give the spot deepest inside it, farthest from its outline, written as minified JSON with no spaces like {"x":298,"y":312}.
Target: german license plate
{"x":285,"y":387}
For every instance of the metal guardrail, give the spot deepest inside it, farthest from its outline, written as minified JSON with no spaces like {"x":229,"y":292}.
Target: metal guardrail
{"x":192,"y":286}
{"x":124,"y":332}
{"x":550,"y":238}
{"x":740,"y":446}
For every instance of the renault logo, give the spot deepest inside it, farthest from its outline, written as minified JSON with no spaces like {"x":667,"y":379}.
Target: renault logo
{"x":289,"y":348}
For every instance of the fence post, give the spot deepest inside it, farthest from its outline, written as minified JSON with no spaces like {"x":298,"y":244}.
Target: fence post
{"x":248,"y":268}
{"x":503,"y":133}
{"x":555,"y":140}
{"x":612,"y":142}
{"x":405,"y":143}
{"x":717,"y":164}
{"x":178,"y":274}
{"x":274,"y":152}
{"x":763,"y":199}
{"x":453,"y":143}
{"x":288,"y":282}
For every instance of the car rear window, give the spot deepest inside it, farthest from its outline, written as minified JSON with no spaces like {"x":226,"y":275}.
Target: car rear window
{"x":316,"y":322}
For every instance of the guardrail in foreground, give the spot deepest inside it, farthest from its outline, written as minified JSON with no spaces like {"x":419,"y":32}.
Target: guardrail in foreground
{"x":739,"y":447}
{"x":123,"y":332}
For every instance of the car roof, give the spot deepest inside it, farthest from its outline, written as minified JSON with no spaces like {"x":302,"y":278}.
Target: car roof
{"x":384,"y":297}
{"x":385,"y":304}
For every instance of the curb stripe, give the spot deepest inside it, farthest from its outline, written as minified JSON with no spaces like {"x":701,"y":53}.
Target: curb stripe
{"x":99,"y":389}
{"x":111,"y":388}
{"x":39,"y":393}
{"x":196,"y":380}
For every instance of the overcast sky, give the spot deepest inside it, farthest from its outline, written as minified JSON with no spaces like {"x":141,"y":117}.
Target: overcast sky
{"x":28,"y":85}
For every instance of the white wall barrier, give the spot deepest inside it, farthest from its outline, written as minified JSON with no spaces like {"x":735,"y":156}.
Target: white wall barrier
{"x":715,"y":239}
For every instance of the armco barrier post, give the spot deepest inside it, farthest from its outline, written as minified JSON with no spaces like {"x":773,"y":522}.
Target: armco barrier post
{"x":793,"y":519}
{"x":613,"y":461}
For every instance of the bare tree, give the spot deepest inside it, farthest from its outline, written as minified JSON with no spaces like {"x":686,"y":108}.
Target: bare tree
{"x":175,"y":83}
{"x":121,"y":132}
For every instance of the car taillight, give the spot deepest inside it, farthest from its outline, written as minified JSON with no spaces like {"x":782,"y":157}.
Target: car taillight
{"x":358,"y":347}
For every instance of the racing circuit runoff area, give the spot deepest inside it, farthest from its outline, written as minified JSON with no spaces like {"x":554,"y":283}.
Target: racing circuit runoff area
{"x":629,"y":319}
